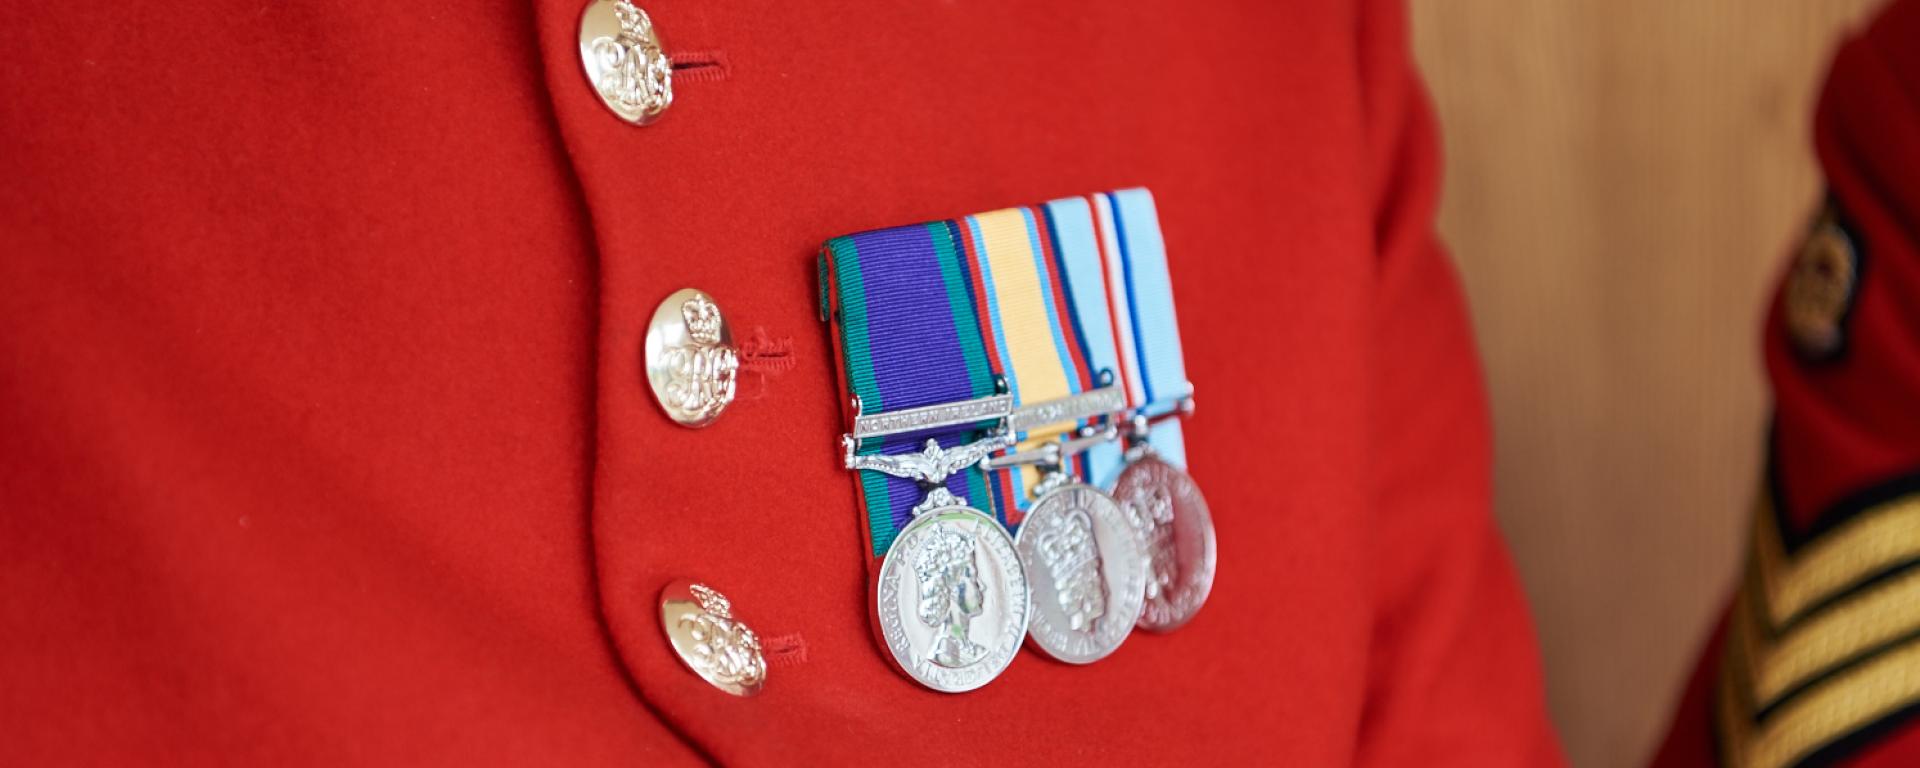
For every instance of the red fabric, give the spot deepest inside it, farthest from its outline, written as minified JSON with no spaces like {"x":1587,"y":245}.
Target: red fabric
{"x":1693,"y":740}
{"x":1846,"y":424}
{"x":327,"y":439}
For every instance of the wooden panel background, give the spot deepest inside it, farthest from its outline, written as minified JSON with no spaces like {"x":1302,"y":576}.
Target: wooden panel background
{"x":1624,"y":178}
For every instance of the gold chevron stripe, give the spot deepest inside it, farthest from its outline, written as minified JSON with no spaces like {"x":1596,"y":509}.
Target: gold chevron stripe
{"x":1872,"y":618}
{"x":1873,"y":541}
{"x":1762,"y":663}
{"x":1851,"y":700}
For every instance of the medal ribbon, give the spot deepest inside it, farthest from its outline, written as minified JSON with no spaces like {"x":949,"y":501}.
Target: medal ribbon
{"x":1032,"y":333}
{"x":1077,"y":249}
{"x":1047,"y":296}
{"x":1140,"y":309}
{"x":902,"y":304}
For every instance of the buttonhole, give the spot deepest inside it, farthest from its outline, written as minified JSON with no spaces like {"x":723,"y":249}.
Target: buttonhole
{"x":699,"y":66}
{"x":763,"y":355}
{"x":784,"y":650}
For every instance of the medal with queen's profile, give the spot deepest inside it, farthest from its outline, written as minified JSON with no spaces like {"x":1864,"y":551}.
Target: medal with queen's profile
{"x":1166,"y":505}
{"x":1087,"y":562}
{"x":952,"y":599}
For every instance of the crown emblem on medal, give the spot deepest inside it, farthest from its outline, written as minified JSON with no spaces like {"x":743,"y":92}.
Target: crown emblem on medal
{"x":1155,"y":509}
{"x":1072,"y":559}
{"x":1067,"y":543}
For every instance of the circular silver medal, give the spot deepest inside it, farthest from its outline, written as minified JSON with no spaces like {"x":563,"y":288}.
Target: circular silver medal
{"x":1166,"y":504}
{"x":952,"y":599}
{"x":1088,"y":565}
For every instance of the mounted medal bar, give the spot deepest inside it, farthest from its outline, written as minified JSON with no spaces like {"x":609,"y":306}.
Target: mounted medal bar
{"x":1002,"y":369}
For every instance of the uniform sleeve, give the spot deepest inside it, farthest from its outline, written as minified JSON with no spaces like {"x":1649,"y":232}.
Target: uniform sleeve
{"x":1454,"y":676}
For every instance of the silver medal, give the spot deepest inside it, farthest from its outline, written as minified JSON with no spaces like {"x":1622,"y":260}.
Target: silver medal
{"x":1166,"y":505}
{"x":1087,"y":561}
{"x":952,"y":601}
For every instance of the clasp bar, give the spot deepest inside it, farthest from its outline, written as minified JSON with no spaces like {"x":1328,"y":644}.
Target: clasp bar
{"x":927,"y":417}
{"x":1099,"y":401}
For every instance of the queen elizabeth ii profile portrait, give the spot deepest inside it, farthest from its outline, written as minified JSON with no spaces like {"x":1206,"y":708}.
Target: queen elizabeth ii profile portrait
{"x":950,"y":597}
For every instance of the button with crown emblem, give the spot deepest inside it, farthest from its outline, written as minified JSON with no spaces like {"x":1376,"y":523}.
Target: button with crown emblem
{"x":625,"y":63}
{"x":710,"y":640}
{"x":691,"y":362}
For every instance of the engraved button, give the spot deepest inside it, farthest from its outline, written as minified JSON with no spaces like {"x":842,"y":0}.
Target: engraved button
{"x":691,"y":363}
{"x":710,"y":641}
{"x":1820,"y":289}
{"x":624,"y":60}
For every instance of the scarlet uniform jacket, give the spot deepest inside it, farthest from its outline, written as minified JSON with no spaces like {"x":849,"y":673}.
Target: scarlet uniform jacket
{"x":325,"y":437}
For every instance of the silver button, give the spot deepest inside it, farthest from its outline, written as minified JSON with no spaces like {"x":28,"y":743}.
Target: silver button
{"x":624,"y":60}
{"x":691,"y":363}
{"x":710,"y":641}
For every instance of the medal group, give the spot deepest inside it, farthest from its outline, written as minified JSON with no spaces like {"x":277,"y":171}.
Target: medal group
{"x":1015,"y":385}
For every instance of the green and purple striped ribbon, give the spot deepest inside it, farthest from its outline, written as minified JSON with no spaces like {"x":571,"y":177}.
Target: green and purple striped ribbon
{"x":901,"y":302}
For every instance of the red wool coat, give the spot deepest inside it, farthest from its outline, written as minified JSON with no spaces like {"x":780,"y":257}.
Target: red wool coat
{"x":326,"y":436}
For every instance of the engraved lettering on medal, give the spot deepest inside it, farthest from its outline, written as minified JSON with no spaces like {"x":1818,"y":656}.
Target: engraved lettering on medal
{"x":702,"y":373}
{"x":632,"y":73}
